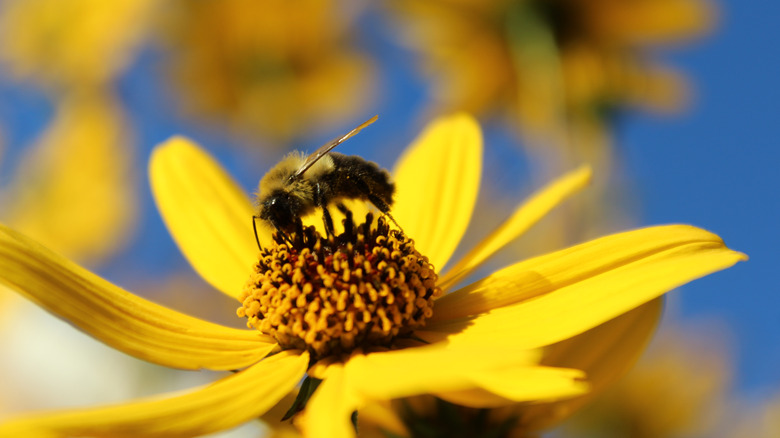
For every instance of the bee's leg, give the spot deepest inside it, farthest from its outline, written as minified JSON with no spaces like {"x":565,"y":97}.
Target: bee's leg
{"x":349,"y":222}
{"x":328,"y":220}
{"x":384,"y":208}
{"x":299,"y":234}
{"x":321,"y":201}
{"x":365,"y":187}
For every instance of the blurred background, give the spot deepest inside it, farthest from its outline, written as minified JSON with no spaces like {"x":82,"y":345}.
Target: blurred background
{"x":673,"y":102}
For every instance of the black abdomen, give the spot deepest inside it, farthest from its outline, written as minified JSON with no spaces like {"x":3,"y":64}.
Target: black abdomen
{"x":354,"y":177}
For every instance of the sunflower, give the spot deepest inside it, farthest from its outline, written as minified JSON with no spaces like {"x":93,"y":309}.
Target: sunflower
{"x":754,"y":418}
{"x":676,"y":359}
{"x":353,"y":313}
{"x":557,"y":66}
{"x":75,"y":43}
{"x":52,"y":194}
{"x":266,"y":67}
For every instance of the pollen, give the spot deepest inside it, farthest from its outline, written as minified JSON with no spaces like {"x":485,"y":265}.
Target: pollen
{"x":363,"y":288}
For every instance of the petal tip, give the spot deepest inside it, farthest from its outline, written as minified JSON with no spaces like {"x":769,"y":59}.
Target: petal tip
{"x":463,"y":116}
{"x":465,"y":124}
{"x":173,"y":146}
{"x":177,"y":142}
{"x":584,"y":173}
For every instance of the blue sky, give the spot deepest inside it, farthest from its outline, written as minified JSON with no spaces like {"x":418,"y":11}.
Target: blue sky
{"x":717,"y":167}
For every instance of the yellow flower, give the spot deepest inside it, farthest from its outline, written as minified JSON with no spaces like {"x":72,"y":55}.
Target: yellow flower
{"x":689,"y":373}
{"x":74,"y":189}
{"x":72,"y":43}
{"x":478,"y":346}
{"x":755,"y":419}
{"x":271,"y":67}
{"x":558,"y":65}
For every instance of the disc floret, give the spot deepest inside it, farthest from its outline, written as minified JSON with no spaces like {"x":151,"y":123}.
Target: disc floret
{"x":365,"y":287}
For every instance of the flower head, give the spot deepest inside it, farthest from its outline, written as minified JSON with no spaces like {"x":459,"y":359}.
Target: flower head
{"x":369,"y":325}
{"x":268,"y":67}
{"x":558,"y":66}
{"x":85,"y":142}
{"x":72,"y":44}
{"x":366,"y":287}
{"x":677,"y":358}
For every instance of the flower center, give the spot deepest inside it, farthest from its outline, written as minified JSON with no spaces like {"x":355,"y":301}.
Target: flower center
{"x":364,"y":287}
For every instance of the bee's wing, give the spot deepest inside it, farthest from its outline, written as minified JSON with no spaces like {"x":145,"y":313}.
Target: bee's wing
{"x":327,"y":147}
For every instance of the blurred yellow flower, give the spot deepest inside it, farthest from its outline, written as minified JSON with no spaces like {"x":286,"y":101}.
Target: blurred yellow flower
{"x":754,"y":420}
{"x":559,"y":66}
{"x":678,"y":389}
{"x":479,"y":347}
{"x":75,"y":189}
{"x":71,"y":43}
{"x":268,"y":67}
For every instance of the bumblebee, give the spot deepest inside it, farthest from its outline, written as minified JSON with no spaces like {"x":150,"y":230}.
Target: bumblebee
{"x":299,"y":184}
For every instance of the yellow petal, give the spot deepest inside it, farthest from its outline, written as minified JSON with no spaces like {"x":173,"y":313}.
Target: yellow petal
{"x":80,"y":172}
{"x":418,"y":371}
{"x":515,"y":384}
{"x":652,"y":22}
{"x":521,"y":220}
{"x":437,"y":181}
{"x":222,"y":405}
{"x":508,"y":286}
{"x":206,"y":212}
{"x":586,"y":285}
{"x":475,"y":398}
{"x":510,"y":374}
{"x":533,"y":383}
{"x":605,"y":353}
{"x":329,"y":410}
{"x":118,"y":318}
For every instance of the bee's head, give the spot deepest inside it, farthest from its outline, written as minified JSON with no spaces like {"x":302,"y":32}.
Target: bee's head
{"x":281,"y":209}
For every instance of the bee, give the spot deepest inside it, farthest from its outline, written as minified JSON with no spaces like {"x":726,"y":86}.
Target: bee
{"x":299,"y":184}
